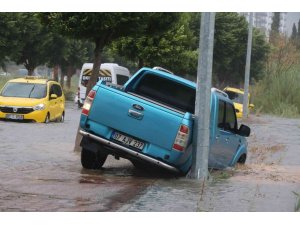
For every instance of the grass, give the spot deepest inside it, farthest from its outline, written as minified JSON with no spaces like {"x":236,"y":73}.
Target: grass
{"x":278,"y":94}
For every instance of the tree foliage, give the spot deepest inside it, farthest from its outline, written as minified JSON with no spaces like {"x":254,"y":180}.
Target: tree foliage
{"x":275,"y":26}
{"x":294,"y":32}
{"x":33,"y":39}
{"x":169,"y":47}
{"x":169,"y":40}
{"x":231,"y":32}
{"x":101,"y":28}
{"x":9,"y":30}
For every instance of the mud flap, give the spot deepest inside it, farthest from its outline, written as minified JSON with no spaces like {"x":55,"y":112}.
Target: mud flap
{"x":89,"y":144}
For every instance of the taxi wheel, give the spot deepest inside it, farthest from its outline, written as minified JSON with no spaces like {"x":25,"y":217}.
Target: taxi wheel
{"x":92,"y":160}
{"x":62,"y":118}
{"x":47,"y":119}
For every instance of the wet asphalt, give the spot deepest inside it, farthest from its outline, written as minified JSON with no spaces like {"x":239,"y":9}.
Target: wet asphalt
{"x":41,"y":172}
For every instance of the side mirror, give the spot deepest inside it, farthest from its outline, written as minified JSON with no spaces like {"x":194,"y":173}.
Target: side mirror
{"x":53,"y":96}
{"x":244,"y":131}
{"x":251,"y":106}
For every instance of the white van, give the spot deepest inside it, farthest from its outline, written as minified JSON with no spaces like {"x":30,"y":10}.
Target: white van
{"x":110,"y":72}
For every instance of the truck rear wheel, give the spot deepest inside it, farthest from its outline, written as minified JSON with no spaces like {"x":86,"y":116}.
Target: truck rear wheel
{"x":92,"y":160}
{"x":139,"y":165}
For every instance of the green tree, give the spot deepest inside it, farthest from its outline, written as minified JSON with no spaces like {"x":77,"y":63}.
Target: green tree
{"x":275,"y":26}
{"x":100,"y":28}
{"x":231,"y":33}
{"x":169,"y":47}
{"x":9,"y":31}
{"x":58,"y":47}
{"x":32,"y":41}
{"x":230,"y":47}
{"x":298,"y":33}
{"x":259,"y":55}
{"x":294,"y":32}
{"x":76,"y":55}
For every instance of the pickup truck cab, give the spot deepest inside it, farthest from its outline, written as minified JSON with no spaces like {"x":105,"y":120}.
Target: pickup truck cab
{"x":150,"y":122}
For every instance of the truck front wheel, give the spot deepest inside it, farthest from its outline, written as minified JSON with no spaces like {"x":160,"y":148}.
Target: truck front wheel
{"x":92,"y":160}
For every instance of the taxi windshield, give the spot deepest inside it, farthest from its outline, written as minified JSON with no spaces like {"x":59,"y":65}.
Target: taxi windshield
{"x":235,"y":97}
{"x":24,"y":90}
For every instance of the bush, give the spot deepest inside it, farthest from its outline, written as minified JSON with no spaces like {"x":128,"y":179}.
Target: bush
{"x":278,"y":93}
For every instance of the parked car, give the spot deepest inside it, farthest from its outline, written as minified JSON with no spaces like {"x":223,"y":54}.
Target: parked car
{"x":32,"y":98}
{"x":150,"y":122}
{"x":110,"y":72}
{"x":237,"y":96}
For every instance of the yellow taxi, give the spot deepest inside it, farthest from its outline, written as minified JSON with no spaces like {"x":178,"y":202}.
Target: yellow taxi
{"x":32,"y":99}
{"x":237,"y":96}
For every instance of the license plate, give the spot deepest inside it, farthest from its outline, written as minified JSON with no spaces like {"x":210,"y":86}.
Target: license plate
{"x":129,"y":141}
{"x":14,"y":117}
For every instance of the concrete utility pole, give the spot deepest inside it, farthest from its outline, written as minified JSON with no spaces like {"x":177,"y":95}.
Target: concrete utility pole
{"x":247,"y":68}
{"x":201,"y":132}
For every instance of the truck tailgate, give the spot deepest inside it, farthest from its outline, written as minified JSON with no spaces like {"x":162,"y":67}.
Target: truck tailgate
{"x":136,"y":117}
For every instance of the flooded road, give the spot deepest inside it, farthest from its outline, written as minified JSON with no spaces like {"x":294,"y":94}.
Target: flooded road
{"x":41,"y":172}
{"x":270,"y":179}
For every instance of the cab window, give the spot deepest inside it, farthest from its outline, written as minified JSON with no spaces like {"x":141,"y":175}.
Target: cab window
{"x":226,"y":116}
{"x":230,"y":118}
{"x":55,"y":89}
{"x":221,"y":114}
{"x":58,"y":90}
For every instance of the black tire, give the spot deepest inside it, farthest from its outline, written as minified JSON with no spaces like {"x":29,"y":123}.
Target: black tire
{"x":242,"y":159}
{"x":92,"y":160}
{"x":79,"y":104}
{"x":139,"y":165}
{"x":47,"y":119}
{"x":62,"y":118}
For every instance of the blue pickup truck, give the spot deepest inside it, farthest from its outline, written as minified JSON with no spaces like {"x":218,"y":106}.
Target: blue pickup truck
{"x":150,"y":122}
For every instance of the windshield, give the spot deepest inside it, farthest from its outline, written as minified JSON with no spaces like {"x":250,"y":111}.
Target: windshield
{"x":24,"y":90}
{"x":235,"y":97}
{"x":121,"y":80}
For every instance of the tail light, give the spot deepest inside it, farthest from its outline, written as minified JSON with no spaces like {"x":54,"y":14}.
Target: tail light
{"x":88,"y":103}
{"x":181,"y":139}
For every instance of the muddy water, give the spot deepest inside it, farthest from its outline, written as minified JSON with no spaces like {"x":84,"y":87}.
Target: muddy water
{"x":40,"y":171}
{"x":270,"y":177}
{"x":266,"y":183}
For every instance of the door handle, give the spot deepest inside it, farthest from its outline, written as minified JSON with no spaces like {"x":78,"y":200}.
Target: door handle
{"x":135,"y":114}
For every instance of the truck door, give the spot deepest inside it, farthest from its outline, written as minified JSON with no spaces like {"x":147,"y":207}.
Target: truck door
{"x":226,"y":140}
